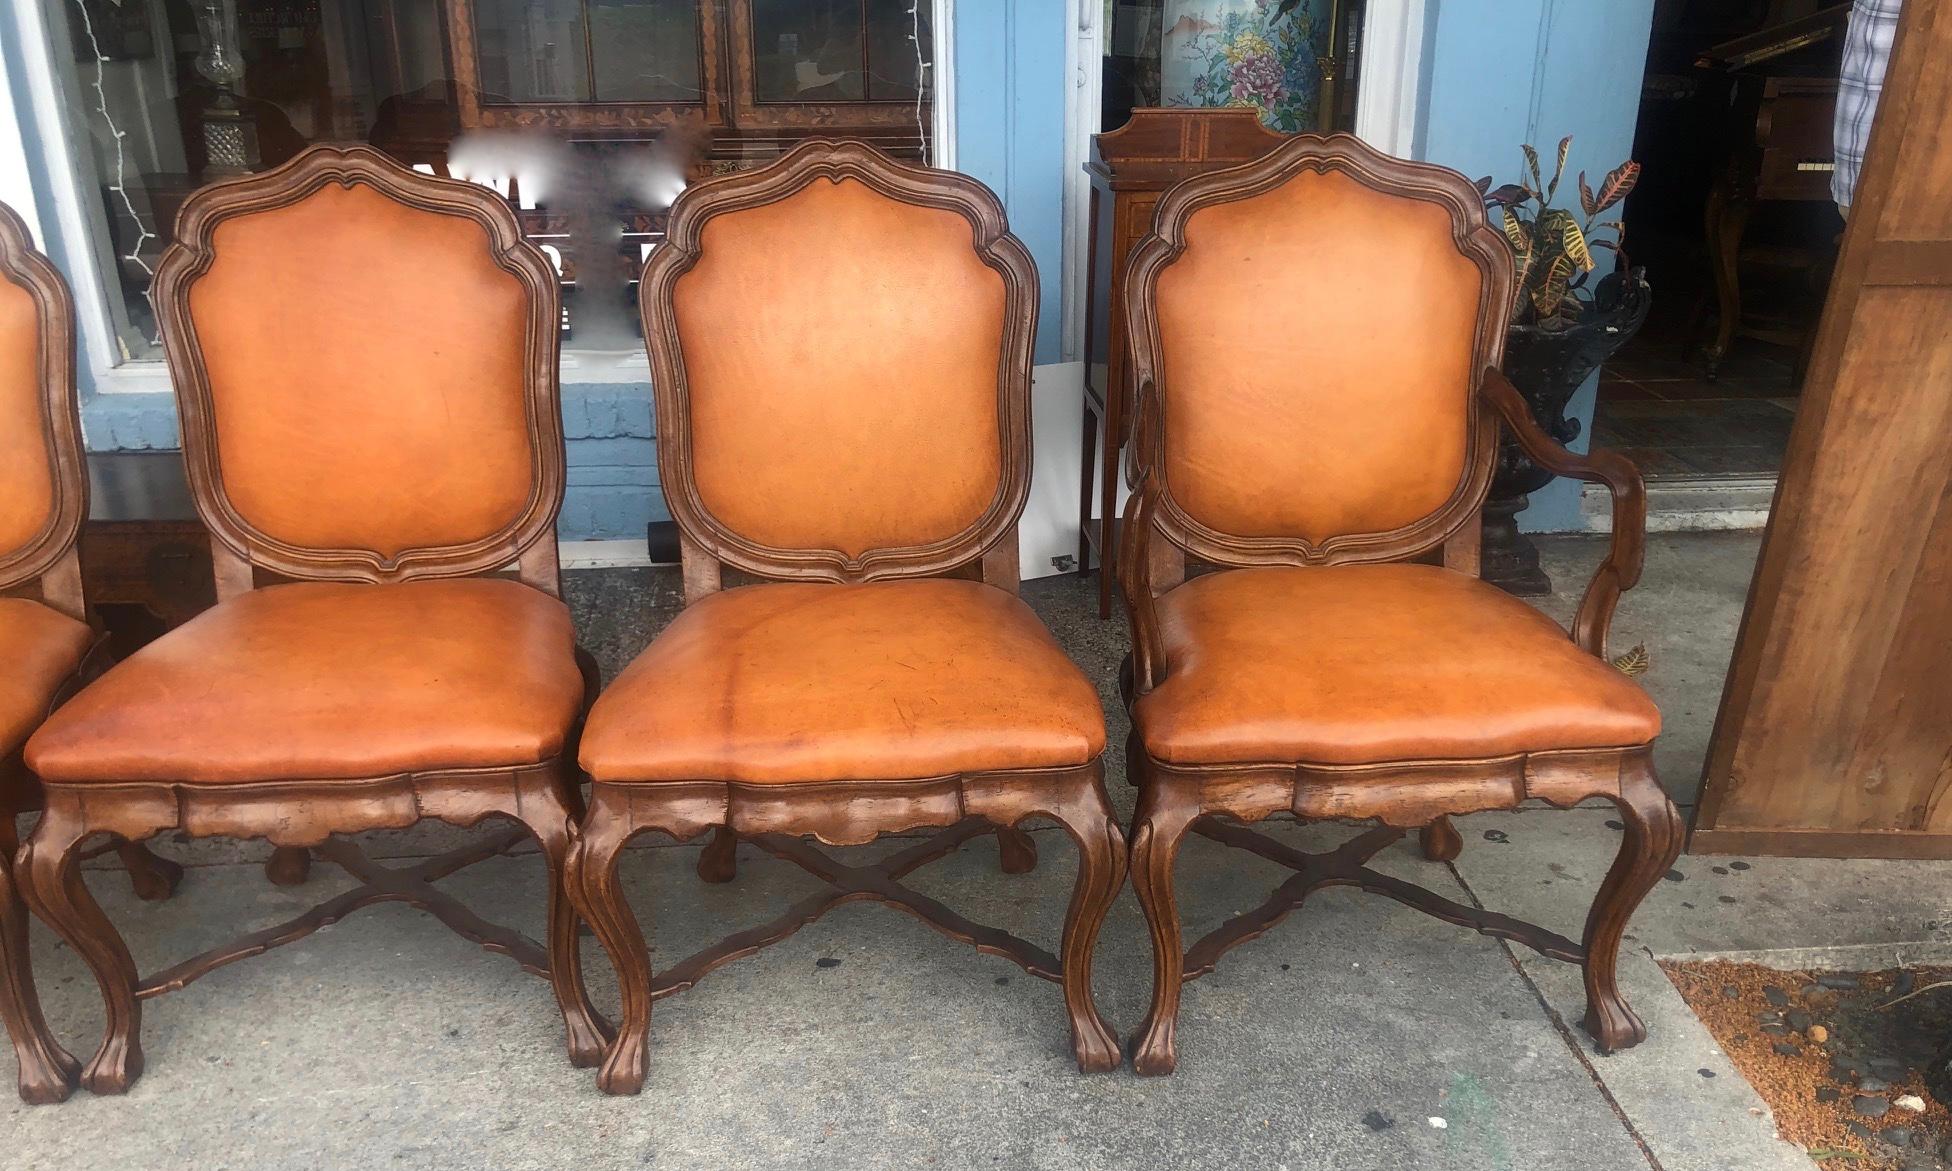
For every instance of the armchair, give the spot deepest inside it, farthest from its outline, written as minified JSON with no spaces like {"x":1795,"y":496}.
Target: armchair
{"x":1340,"y":660}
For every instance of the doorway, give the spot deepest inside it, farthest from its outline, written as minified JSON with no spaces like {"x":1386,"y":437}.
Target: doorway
{"x":1734,"y":223}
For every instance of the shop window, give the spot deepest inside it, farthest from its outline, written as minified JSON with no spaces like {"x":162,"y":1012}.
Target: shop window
{"x":627,"y":99}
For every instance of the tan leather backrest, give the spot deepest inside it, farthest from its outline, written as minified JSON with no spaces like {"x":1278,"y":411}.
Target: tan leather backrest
{"x":366,"y":364}
{"x":43,"y":479}
{"x":841,"y":354}
{"x":27,"y":485}
{"x":1317,"y":343}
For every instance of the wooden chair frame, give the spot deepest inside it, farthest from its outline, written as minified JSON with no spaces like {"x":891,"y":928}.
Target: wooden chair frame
{"x":294,"y":815}
{"x":845,"y":812}
{"x":1220,"y":801}
{"x":49,"y":568}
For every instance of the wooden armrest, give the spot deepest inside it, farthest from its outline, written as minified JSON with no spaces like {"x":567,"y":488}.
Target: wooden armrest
{"x":1621,"y":569}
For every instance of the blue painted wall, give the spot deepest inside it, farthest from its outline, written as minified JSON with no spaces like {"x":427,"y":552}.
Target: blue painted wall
{"x":1499,"y":73}
{"x":1010,"y":130}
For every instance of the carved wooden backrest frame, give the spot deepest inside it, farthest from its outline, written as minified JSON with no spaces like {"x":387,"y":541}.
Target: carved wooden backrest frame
{"x":48,"y":558}
{"x":707,"y":543}
{"x":528,"y":539}
{"x":1482,"y":244}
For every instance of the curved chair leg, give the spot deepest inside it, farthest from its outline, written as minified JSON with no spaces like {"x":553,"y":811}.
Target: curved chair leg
{"x":152,"y":876}
{"x":1019,"y":852}
{"x":1158,"y":826}
{"x":1101,"y":871}
{"x":50,"y":881}
{"x":288,"y":865}
{"x":591,"y":880}
{"x":1651,"y":842}
{"x":47,"y":1071}
{"x":718,"y":861}
{"x":587,"y":1034}
{"x":1440,"y":840}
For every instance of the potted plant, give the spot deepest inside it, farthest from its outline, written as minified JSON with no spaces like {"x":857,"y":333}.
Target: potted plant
{"x":1563,"y":327}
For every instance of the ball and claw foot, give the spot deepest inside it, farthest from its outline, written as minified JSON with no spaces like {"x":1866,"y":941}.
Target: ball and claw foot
{"x":719,"y":861}
{"x":152,"y":876}
{"x":288,"y":866}
{"x":1018,"y":850}
{"x":1440,"y":841}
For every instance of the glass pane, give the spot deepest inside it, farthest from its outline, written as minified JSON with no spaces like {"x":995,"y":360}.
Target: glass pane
{"x":531,"y":51}
{"x":807,"y":50}
{"x":164,"y":96}
{"x":900,"y":45}
{"x":645,"y":50}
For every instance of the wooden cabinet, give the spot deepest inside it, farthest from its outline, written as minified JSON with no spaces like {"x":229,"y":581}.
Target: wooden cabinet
{"x":145,"y":557}
{"x":749,"y":72}
{"x":1130,"y":169}
{"x":1835,"y":731}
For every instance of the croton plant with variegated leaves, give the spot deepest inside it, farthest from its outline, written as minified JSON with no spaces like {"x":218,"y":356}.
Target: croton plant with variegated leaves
{"x":1554,"y":246}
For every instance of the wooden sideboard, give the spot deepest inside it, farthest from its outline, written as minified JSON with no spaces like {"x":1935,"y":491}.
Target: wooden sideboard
{"x":145,"y":557}
{"x":1130,"y":169}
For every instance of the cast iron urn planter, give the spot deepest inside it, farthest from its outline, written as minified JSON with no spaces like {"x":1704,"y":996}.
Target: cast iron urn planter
{"x":1547,"y":363}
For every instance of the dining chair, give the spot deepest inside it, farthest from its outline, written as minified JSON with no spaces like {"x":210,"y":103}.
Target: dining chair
{"x":365,"y":369}
{"x":1316,"y":338}
{"x":46,"y":642}
{"x":841,"y":349}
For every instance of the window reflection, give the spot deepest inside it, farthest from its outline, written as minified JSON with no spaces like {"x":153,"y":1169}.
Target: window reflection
{"x":601,"y":79}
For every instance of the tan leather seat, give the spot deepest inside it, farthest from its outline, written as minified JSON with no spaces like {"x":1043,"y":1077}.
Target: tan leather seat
{"x":327,"y":680}
{"x":40,"y":648}
{"x":1362,"y":664}
{"x":814,"y":682}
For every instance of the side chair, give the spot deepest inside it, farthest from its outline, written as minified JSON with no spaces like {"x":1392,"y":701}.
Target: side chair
{"x":841,"y":348}
{"x":1316,"y":338}
{"x":365,"y":369}
{"x":47,"y":647}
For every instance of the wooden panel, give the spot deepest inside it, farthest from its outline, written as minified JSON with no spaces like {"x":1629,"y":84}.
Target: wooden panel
{"x":1835,"y":733}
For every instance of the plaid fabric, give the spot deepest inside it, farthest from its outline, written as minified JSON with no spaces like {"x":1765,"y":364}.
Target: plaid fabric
{"x":1867,"y":49}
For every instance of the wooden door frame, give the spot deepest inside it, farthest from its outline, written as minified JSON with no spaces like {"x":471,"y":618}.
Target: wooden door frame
{"x":1867,"y":261}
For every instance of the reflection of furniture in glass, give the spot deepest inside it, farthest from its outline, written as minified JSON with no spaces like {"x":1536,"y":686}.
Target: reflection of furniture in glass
{"x":1777,"y":147}
{"x":749,"y":69}
{"x":726,"y":84}
{"x":585,"y":64}
{"x":1131,"y":167}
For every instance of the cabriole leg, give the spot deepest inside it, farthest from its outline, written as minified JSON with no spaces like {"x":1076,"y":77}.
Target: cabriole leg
{"x":1101,"y":871}
{"x":50,"y":881}
{"x":1158,"y":826}
{"x":47,"y":1071}
{"x":591,"y":873}
{"x":1650,"y":843}
{"x":585,"y":1030}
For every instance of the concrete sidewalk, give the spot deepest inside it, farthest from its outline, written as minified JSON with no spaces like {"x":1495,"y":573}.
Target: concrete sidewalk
{"x":1358,"y":1034}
